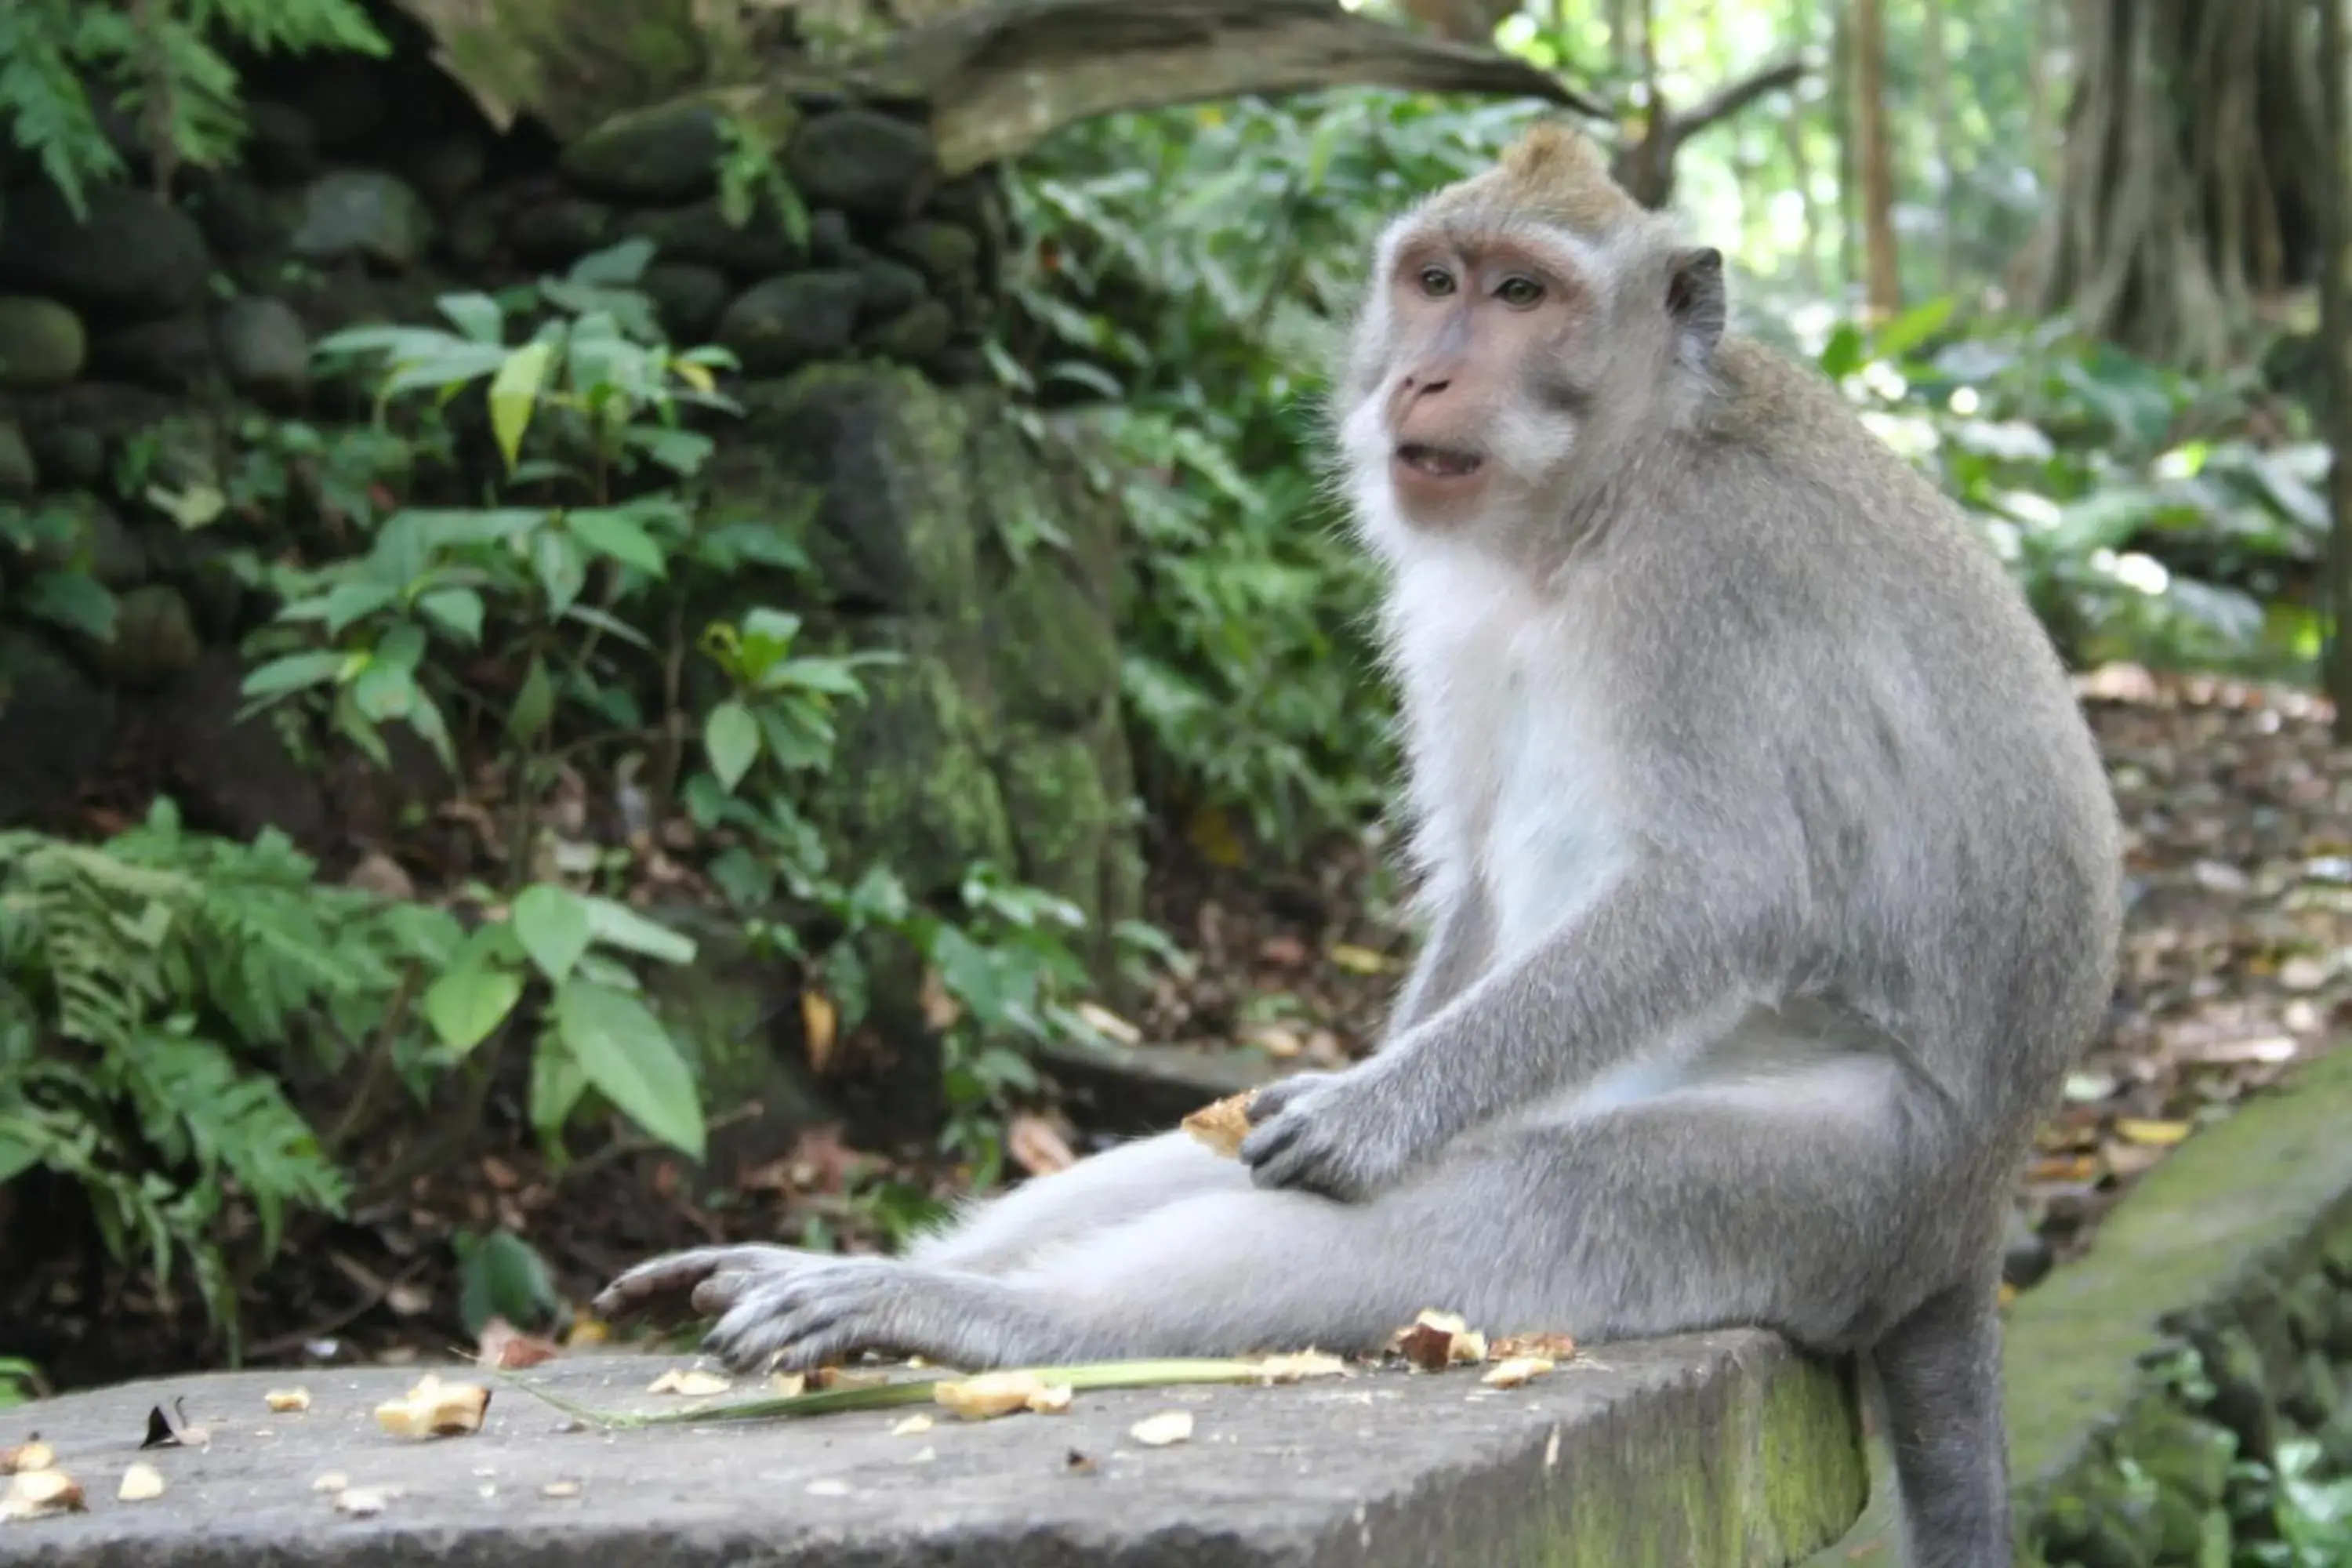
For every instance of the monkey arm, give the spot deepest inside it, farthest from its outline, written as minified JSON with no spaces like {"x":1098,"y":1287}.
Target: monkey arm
{"x":1665,"y":950}
{"x":1456,"y":950}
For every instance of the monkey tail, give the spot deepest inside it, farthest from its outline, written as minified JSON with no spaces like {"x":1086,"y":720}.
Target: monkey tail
{"x":1938,"y":1376}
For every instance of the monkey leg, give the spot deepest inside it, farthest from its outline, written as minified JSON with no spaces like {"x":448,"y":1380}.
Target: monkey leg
{"x":1779,"y":1204}
{"x":1121,"y":1184}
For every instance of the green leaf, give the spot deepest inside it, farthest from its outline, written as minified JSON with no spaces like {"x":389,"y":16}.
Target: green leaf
{"x":514,"y":393}
{"x":294,"y":672}
{"x":458,"y":611}
{"x":465,"y":1005}
{"x":563,"y":570}
{"x":556,"y":1086}
{"x":617,"y":925}
{"x":73,"y":599}
{"x":475,"y":314}
{"x":731,"y":737}
{"x":384,"y":690}
{"x":612,"y":533}
{"x":624,"y":1051}
{"x":551,"y":923}
{"x":534,"y":704}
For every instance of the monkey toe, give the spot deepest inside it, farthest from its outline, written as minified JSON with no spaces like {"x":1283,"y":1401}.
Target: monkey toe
{"x":670,"y":1286}
{"x":1279,"y":1096}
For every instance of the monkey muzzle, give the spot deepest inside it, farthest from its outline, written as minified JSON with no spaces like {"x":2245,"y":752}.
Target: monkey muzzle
{"x":1438,"y":462}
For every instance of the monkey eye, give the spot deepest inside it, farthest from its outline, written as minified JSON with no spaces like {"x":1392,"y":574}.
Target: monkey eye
{"x":1436,"y":282}
{"x":1520,"y":293}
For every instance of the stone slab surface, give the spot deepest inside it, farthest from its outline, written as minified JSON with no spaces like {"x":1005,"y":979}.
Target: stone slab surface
{"x":1710,"y":1449}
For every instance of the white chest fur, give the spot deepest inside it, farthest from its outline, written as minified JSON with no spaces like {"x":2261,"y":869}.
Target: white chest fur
{"x":1509,"y":773}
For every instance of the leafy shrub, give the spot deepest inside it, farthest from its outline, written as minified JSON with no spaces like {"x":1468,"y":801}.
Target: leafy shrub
{"x":153,"y":990}
{"x":163,"y":62}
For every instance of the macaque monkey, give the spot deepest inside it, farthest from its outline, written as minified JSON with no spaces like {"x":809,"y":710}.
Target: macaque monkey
{"x":1772,"y":874}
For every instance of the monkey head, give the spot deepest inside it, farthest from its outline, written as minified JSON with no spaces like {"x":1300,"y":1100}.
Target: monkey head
{"x":1512,"y":323}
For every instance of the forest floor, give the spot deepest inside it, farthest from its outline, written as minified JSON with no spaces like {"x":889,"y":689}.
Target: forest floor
{"x":2238,"y":962}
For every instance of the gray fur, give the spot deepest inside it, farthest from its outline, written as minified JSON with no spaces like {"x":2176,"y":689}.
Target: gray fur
{"x":1774,"y":886}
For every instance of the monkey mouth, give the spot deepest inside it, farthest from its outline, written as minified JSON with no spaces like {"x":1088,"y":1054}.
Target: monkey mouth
{"x":1439,"y":462}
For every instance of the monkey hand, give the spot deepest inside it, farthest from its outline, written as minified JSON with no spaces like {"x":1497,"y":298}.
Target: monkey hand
{"x":1341,"y":1134}
{"x":835,"y":1307}
{"x":703,"y":1281}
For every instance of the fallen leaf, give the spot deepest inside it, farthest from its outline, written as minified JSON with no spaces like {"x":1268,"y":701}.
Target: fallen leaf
{"x":380,"y":874}
{"x":287,"y":1401}
{"x":1158,"y":1431}
{"x":1357,"y":960}
{"x":2136,"y":1130}
{"x":1517,"y":1370}
{"x":36,"y":1494}
{"x":940,"y":1009}
{"x":1075,"y":1463}
{"x":1223,"y":1125}
{"x":436,"y":1409}
{"x":910,"y":1425}
{"x":1035,"y":1146}
{"x":827,"y":1378}
{"x":692,"y":1383}
{"x":1554,"y":1347}
{"x":1284,"y":952}
{"x":332,"y":1481}
{"x":1302,"y":1364}
{"x":820,"y":1023}
{"x":994,"y":1393}
{"x":1436,"y":1341}
{"x":501,"y":1344}
{"x":173,"y":1430}
{"x":1105,"y":1022}
{"x":788,"y":1384}
{"x":140,"y":1482}
{"x":361,"y":1502}
{"x":560,"y":1489}
{"x":24,"y":1457}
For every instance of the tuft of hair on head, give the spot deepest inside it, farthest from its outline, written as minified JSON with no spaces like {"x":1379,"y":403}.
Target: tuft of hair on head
{"x":1554,"y":171}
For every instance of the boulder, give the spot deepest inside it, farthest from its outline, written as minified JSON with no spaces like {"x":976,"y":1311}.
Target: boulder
{"x":668,"y":154}
{"x":868,"y":165}
{"x":792,"y":320}
{"x":264,"y":348}
{"x":363,"y":215}
{"x":132,"y":258}
{"x":42,"y":343}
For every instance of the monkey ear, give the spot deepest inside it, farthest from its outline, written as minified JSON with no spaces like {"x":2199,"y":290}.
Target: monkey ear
{"x":1695,"y":299}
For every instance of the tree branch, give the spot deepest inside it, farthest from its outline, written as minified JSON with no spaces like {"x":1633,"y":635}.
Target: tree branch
{"x":1727,"y":101}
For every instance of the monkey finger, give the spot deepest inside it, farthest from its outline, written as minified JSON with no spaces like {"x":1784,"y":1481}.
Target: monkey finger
{"x":664,"y":1287}
{"x":1280,"y":1095}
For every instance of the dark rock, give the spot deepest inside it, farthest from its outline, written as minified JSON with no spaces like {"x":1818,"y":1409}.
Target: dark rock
{"x":687,"y":298}
{"x":69,"y":454}
{"x":234,"y":778}
{"x":351,"y":299}
{"x":155,"y":638}
{"x":203,"y":566}
{"x":791,"y":320}
{"x":2026,"y":1255}
{"x":172,"y":355}
{"x":345,"y":97}
{"x":913,"y":337}
{"x":240,"y":219}
{"x":265,"y":349}
{"x":668,"y":154}
{"x":701,"y":233}
{"x":97,"y":542}
{"x":888,"y":289}
{"x":282,"y":144}
{"x":555,"y":233}
{"x":449,"y":169}
{"x":42,"y":343}
{"x":870,"y":165}
{"x":831,"y":242}
{"x":944,"y":251}
{"x":963,"y":365}
{"x":363,"y":215}
{"x":472,"y":236}
{"x":56,"y":727}
{"x":20,"y":475}
{"x":133,"y":258}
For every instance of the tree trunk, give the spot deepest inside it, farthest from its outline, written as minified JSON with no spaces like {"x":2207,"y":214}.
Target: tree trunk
{"x":1793,"y":137}
{"x":1938,"y":72}
{"x":2335,"y":342}
{"x":1882,"y":281}
{"x":1848,"y":166}
{"x":2194,"y":178}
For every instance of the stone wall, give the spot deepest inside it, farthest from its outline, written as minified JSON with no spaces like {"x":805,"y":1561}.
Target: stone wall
{"x":147,"y":352}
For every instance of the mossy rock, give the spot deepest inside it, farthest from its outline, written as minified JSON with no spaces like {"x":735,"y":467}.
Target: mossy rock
{"x":42,"y":343}
{"x":912,"y":787}
{"x":668,"y":152}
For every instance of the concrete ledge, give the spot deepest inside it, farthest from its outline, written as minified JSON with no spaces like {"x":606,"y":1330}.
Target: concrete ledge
{"x":1701,"y":1452}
